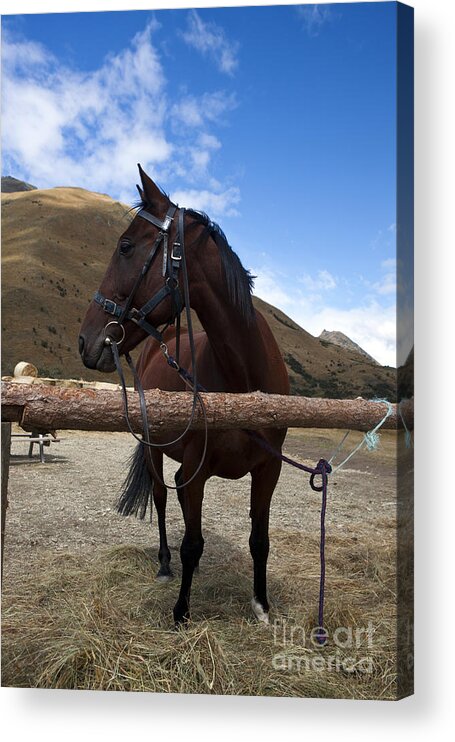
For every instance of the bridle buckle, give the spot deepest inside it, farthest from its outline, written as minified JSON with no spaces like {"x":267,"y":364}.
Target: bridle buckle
{"x":110,"y":306}
{"x":167,"y":222}
{"x":135,"y":315}
{"x":177,"y":256}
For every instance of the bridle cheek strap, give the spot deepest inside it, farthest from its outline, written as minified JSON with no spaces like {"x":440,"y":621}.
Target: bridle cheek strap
{"x":171,"y":266}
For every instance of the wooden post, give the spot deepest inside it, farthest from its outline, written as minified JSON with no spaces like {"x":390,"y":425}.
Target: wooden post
{"x":6,"y":446}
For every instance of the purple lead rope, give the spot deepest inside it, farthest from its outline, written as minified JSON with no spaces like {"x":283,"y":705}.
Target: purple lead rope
{"x":325,"y":469}
{"x":322,"y":468}
{"x":321,"y":634}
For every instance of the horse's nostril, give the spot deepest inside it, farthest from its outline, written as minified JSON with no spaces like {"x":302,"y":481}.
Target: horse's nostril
{"x":81,"y":344}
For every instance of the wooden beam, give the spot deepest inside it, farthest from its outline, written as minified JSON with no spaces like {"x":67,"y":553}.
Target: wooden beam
{"x":43,"y":407}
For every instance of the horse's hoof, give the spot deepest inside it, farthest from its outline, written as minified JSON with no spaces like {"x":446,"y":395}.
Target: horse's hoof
{"x":181,"y":616}
{"x":164,"y":576}
{"x":181,"y":625}
{"x":258,"y":609}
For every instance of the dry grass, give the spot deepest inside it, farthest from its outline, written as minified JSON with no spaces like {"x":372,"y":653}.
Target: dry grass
{"x":105,"y":624}
{"x":84,"y":615}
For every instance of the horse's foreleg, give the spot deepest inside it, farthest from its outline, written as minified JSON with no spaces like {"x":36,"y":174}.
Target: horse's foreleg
{"x":263,"y":481}
{"x":192,"y":544}
{"x":164,"y":573}
{"x":181,"y":495}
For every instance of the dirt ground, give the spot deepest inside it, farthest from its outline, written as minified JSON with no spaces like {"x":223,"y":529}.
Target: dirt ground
{"x":66,"y":504}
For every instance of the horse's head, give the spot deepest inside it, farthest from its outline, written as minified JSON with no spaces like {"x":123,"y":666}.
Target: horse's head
{"x":141,"y":289}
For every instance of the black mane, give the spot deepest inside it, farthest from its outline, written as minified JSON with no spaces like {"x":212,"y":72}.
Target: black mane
{"x":238,"y":279}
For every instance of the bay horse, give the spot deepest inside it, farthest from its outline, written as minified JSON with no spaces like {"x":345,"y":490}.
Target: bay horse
{"x":236,"y":352}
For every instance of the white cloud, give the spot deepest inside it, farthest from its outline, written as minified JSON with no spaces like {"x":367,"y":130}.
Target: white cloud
{"x":384,"y":239}
{"x":209,"y":141}
{"x":210,"y":40}
{"x":195,"y":111}
{"x":23,"y":54}
{"x":188,"y":112}
{"x":371,"y":323}
{"x":268,"y":288}
{"x":212,"y":202}
{"x":63,"y":126}
{"x":90,"y":130}
{"x":313,"y":17}
{"x":200,"y":158}
{"x":323,"y":281}
{"x":387,"y":284}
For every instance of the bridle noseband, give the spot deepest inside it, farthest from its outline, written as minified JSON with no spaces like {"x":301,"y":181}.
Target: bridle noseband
{"x":171,"y":265}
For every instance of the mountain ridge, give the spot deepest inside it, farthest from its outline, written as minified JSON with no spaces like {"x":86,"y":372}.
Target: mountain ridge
{"x":14,"y":185}
{"x":339,"y":338}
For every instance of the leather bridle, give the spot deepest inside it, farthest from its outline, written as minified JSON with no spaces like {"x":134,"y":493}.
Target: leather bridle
{"x":174,"y":267}
{"x":171,"y":266}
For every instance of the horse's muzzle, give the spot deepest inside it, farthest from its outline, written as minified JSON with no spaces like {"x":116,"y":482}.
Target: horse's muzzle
{"x":97,"y":357}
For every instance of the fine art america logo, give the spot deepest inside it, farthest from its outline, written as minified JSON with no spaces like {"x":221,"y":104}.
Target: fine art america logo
{"x":349,"y":647}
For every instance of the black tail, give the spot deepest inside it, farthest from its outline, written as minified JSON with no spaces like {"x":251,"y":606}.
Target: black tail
{"x":137,"y":488}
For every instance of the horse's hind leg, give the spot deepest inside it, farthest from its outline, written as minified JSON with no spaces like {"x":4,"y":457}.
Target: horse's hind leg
{"x":164,"y":573}
{"x":263,"y":481}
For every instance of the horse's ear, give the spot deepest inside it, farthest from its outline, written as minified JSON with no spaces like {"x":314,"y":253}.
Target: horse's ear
{"x":151,"y":193}
{"x":141,"y":193}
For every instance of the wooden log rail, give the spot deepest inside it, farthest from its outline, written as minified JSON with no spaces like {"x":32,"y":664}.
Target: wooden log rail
{"x":43,"y":407}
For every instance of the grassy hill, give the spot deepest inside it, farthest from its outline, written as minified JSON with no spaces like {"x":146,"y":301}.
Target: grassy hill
{"x":56,"y":246}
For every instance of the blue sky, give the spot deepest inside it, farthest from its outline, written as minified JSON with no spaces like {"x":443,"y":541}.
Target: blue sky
{"x":277,"y":121}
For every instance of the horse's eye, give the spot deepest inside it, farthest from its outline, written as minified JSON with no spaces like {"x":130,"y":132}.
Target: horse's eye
{"x":125,"y":247}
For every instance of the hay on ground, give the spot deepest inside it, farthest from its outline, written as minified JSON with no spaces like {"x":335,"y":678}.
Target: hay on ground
{"x":106,"y":624}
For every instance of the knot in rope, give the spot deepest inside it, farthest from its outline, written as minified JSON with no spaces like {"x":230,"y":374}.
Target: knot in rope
{"x":372,"y":440}
{"x":322,"y":468}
